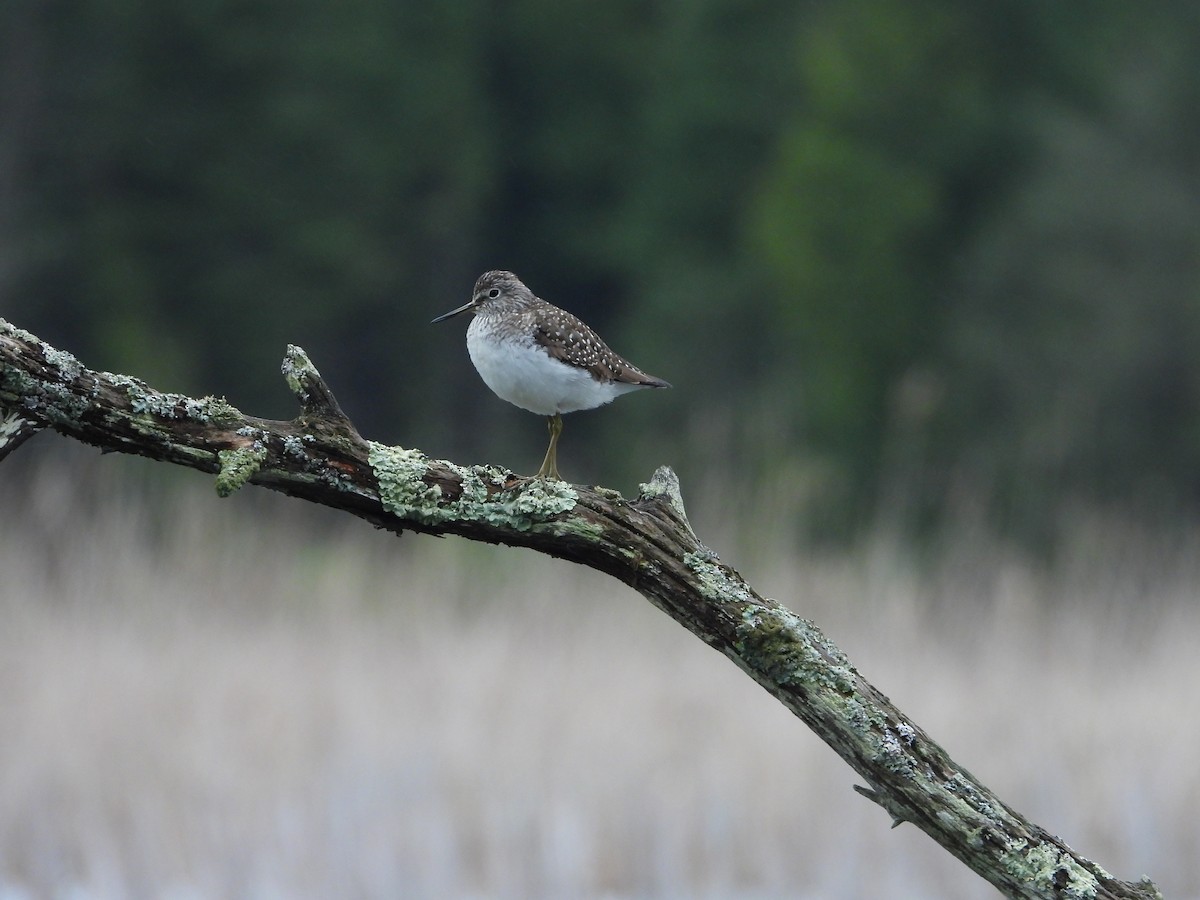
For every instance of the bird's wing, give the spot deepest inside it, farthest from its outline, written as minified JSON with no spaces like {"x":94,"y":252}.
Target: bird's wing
{"x":568,"y":339}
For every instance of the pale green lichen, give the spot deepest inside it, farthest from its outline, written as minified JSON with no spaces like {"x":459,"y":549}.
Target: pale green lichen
{"x":1050,"y":867}
{"x":533,"y":504}
{"x":298,"y":371}
{"x":316,"y":469}
{"x":961,"y":786}
{"x":8,"y":328}
{"x":50,"y":402}
{"x":664,"y":484}
{"x":335,"y":478}
{"x":573,"y":526}
{"x":715,"y":580}
{"x":401,"y":489}
{"x":238,"y":466}
{"x":65,"y":402}
{"x":65,"y":362}
{"x":540,"y":498}
{"x":293,"y":445}
{"x":206,"y":410}
{"x":888,"y":743}
{"x":792,"y":651}
{"x":773,"y":639}
{"x":891,"y":753}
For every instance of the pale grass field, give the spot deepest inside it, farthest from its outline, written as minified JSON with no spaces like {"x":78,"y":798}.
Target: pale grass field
{"x":251,"y":699}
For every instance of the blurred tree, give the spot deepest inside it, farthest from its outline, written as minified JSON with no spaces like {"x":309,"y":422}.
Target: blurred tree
{"x":716,"y":85}
{"x":913,"y":126}
{"x":872,"y":245}
{"x":1074,"y":344}
{"x":216,"y":179}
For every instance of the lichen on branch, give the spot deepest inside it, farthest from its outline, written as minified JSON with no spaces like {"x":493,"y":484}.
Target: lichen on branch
{"x":646,"y":542}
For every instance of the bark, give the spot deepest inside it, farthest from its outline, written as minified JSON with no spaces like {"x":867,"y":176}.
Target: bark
{"x":646,"y":542}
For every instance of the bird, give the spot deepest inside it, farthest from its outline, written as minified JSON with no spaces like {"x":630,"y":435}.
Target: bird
{"x":542,"y":358}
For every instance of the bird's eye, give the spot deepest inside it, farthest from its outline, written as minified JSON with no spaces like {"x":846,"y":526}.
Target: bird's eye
{"x":494,"y":293}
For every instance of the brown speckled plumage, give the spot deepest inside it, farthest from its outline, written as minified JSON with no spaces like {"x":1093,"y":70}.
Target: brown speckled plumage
{"x":564,"y":336}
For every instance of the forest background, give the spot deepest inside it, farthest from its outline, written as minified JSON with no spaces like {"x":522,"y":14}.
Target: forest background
{"x":925,"y":258}
{"x":925,"y":277}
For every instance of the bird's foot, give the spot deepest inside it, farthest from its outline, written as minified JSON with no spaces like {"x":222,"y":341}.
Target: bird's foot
{"x":544,"y":474}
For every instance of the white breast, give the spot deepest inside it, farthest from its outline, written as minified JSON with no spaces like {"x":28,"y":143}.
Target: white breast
{"x":524,"y":374}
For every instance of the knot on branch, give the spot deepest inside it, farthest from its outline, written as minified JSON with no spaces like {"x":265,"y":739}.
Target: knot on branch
{"x":663,"y":487}
{"x":317,"y":403}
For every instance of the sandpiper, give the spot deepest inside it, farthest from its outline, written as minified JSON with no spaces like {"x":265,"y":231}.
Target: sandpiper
{"x":542,"y":358}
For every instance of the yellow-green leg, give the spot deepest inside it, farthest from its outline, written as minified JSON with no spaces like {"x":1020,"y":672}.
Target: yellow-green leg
{"x":549,"y":467}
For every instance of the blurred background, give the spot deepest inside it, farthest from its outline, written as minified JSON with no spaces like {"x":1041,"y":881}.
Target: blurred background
{"x":915,"y":256}
{"x":925,"y":277}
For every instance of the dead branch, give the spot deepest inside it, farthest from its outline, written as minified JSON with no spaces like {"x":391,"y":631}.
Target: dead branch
{"x":645,"y":542}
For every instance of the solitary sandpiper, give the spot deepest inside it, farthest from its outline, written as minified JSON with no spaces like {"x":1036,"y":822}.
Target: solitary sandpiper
{"x":541,"y":358}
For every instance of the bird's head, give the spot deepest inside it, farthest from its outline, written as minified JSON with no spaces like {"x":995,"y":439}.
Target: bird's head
{"x":492,"y":289}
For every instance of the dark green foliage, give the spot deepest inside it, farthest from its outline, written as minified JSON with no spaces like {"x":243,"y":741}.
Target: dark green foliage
{"x":918,"y":255}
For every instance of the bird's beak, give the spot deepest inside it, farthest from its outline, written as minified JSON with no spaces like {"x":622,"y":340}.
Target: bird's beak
{"x":454,"y":312}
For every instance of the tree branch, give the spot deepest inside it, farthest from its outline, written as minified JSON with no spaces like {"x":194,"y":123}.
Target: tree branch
{"x":645,"y":542}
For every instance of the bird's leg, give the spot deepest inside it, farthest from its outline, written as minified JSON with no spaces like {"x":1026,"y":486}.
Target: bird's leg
{"x":549,"y":467}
